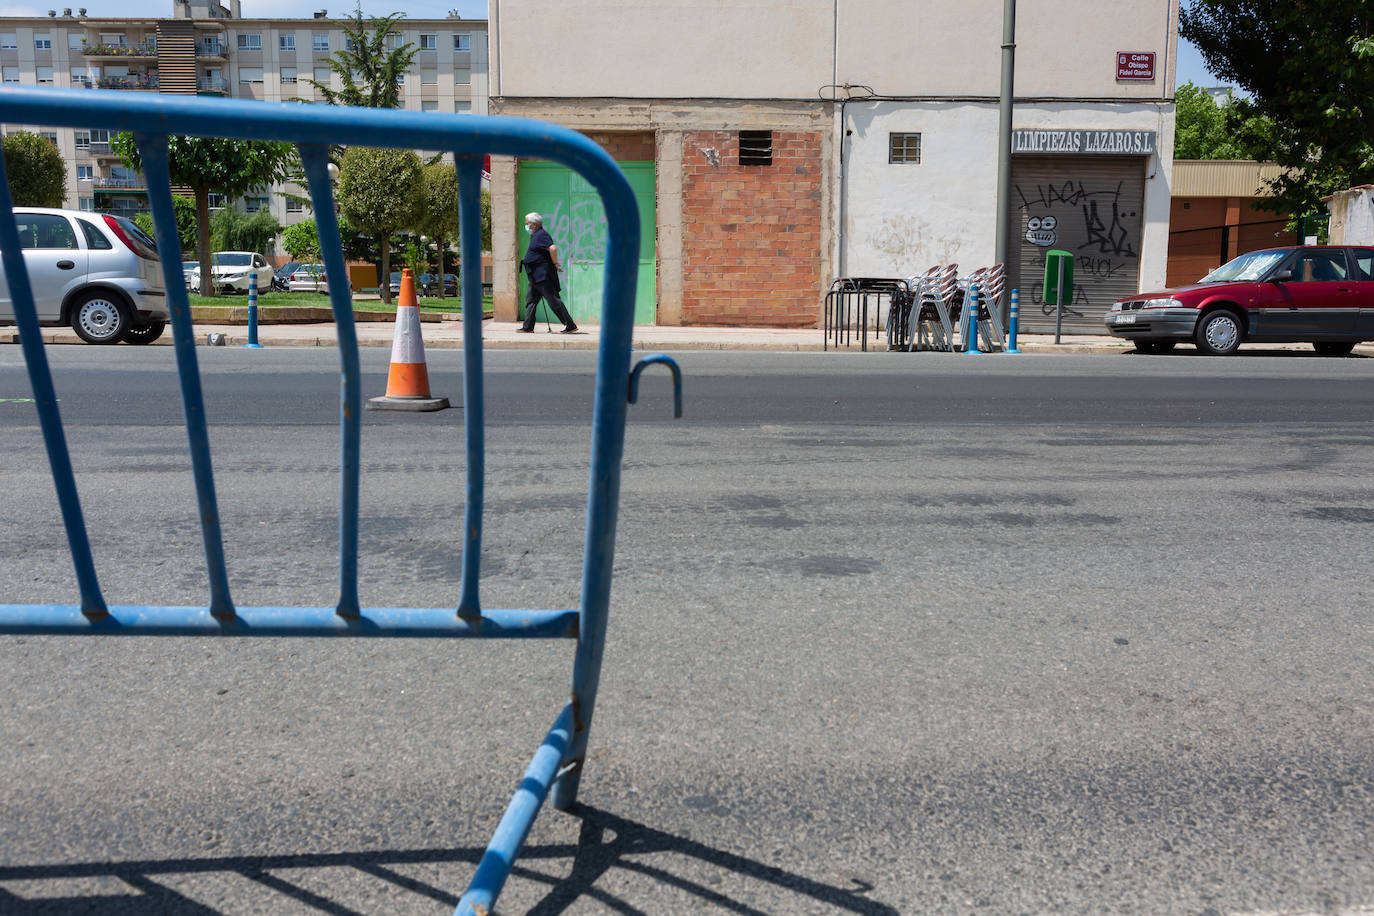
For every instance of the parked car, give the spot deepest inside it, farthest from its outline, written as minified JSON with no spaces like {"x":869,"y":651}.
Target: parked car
{"x":308,"y":278}
{"x":429,"y":284}
{"x":98,"y":273}
{"x":230,"y":272}
{"x":186,"y":268}
{"x":395,"y":283}
{"x":1318,"y":294}
{"x":282,"y":276}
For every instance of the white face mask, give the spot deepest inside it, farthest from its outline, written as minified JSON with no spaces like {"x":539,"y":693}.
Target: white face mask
{"x":529,"y":228}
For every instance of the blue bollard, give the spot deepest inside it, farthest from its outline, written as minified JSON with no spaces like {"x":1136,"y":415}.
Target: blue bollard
{"x":252,"y":313}
{"x":1011,"y":338}
{"x":971,"y":328}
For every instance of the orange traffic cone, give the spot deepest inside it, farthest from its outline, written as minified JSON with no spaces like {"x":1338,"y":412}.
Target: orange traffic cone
{"x":407,"y":384}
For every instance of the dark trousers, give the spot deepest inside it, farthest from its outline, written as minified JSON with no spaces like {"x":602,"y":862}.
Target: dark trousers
{"x":549,"y":293}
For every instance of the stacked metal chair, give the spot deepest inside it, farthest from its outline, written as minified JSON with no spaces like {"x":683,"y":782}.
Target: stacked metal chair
{"x":935,"y":314}
{"x":991,"y":283}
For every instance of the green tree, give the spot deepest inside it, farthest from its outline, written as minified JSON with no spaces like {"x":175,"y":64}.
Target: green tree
{"x":438,"y":209}
{"x":370,"y":73}
{"x":37,"y":173}
{"x":184,"y":209}
{"x":1201,"y":129}
{"x":231,"y":229}
{"x":379,"y":194}
{"x":302,"y":241}
{"x":211,"y":164}
{"x":1308,"y":69}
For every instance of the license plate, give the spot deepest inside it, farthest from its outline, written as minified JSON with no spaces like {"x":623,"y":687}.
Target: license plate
{"x":1124,"y":319}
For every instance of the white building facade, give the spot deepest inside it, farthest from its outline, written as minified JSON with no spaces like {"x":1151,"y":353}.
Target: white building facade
{"x":892,"y":107}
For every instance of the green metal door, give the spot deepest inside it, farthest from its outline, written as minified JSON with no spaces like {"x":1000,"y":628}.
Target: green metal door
{"x":574,"y":217}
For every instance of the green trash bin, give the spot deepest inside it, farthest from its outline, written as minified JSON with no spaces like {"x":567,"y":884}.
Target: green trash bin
{"x":1058,"y":285}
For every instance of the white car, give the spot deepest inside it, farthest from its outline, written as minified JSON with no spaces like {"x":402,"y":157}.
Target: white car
{"x":231,"y":271}
{"x":96,"y":272}
{"x":308,"y":278}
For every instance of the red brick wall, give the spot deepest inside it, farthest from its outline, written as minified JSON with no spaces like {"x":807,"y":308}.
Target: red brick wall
{"x":751,"y":235}
{"x":636,"y":147}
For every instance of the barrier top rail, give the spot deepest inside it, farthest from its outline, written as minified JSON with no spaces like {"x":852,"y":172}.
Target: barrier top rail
{"x":313,"y":129}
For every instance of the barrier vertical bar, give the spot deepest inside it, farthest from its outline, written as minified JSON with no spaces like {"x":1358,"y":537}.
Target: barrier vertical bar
{"x":252,"y":312}
{"x":152,"y":149}
{"x":45,"y":399}
{"x":470,"y":247}
{"x":971,"y":307}
{"x":1015,"y":318}
{"x":315,"y":158}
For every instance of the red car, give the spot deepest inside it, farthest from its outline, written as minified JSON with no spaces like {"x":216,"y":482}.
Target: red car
{"x":1319,"y":294}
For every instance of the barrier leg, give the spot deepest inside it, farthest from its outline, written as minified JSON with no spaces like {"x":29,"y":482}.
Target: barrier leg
{"x":971,"y":315}
{"x":252,"y":314}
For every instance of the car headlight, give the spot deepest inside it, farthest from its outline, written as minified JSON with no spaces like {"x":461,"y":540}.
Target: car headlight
{"x":1161,"y":304}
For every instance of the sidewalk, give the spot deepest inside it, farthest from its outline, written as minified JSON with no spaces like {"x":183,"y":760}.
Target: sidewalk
{"x":502,"y":335}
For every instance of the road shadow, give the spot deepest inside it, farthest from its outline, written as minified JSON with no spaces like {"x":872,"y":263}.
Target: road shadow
{"x":1255,"y":350}
{"x":606,"y":842}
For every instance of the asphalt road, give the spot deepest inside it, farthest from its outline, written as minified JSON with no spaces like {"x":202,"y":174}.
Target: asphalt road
{"x":890,"y":633}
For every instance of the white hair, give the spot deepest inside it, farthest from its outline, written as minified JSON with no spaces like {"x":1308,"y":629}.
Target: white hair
{"x":534,"y":219}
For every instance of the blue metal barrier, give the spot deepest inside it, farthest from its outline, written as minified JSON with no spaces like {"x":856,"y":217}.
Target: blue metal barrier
{"x":557,"y":765}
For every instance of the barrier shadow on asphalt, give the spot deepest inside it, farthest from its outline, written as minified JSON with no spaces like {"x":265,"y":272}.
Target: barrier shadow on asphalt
{"x":606,"y":842}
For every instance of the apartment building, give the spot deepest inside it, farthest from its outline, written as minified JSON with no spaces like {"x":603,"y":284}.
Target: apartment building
{"x":206,"y":48}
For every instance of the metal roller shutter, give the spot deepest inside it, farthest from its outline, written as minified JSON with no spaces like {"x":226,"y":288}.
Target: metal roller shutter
{"x":1091,"y":206}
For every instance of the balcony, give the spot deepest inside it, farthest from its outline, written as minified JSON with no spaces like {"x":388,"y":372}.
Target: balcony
{"x":212,"y":84}
{"x":214,"y":48}
{"x":146,"y":81}
{"x":101,"y":150}
{"x":120,"y":52}
{"x":136,"y":183}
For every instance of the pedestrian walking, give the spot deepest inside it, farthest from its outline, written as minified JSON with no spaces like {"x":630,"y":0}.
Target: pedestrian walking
{"x":542,"y":267}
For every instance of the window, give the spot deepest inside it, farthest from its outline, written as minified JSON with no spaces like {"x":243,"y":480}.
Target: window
{"x":49,"y":135}
{"x":95,"y":239}
{"x":44,"y":75}
{"x":43,"y":43}
{"x":250,"y":42}
{"x":86,"y":203}
{"x":114,"y":39}
{"x":393,"y":40}
{"x":294,"y":205}
{"x":904,"y":148}
{"x":429,"y":76}
{"x":100,"y":135}
{"x":10,"y":74}
{"x":85,"y":173}
{"x":462,"y":76}
{"x":249,"y":75}
{"x":429,"y":42}
{"x":75,"y":41}
{"x":79,"y":77}
{"x":1364,"y":263}
{"x":462,"y":108}
{"x":319,"y":43}
{"x":286,"y":42}
{"x":1319,"y":267}
{"x":350,"y":45}
{"x":216,"y":201}
{"x":429,"y":106}
{"x":322,"y":75}
{"x":9,"y":42}
{"x":82,"y":139}
{"x":288,"y":75}
{"x":254,"y":204}
{"x":756,"y":147}
{"x":462,"y":42}
{"x":44,"y":230}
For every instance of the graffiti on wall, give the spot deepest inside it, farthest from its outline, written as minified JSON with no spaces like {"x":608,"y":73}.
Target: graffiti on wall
{"x":579,"y":233}
{"x":1095,"y":221}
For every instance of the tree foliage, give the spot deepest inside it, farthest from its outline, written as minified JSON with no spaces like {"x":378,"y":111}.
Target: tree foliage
{"x":1202,"y":131}
{"x":370,"y":72}
{"x":184,"y":209}
{"x":437,"y":213}
{"x":379,"y":194}
{"x":302,"y":240}
{"x":1309,"y":69}
{"x":231,"y":229}
{"x":213,"y":165}
{"x":37,"y":173}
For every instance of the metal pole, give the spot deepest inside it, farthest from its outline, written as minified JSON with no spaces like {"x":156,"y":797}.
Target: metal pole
{"x":1014,"y":317}
{"x":971,"y":307}
{"x":252,"y":313}
{"x":1004,"y":134}
{"x":1059,"y":302}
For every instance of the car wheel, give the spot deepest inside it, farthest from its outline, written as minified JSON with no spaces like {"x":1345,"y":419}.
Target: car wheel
{"x":100,"y":318}
{"x":146,"y":334}
{"x":1334,"y":347}
{"x":1218,"y":333}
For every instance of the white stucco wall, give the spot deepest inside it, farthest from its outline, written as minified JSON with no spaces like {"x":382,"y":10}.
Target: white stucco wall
{"x":900,"y":219}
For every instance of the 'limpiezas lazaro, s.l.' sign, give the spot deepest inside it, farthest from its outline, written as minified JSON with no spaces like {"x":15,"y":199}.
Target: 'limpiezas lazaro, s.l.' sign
{"x":1095,"y":142}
